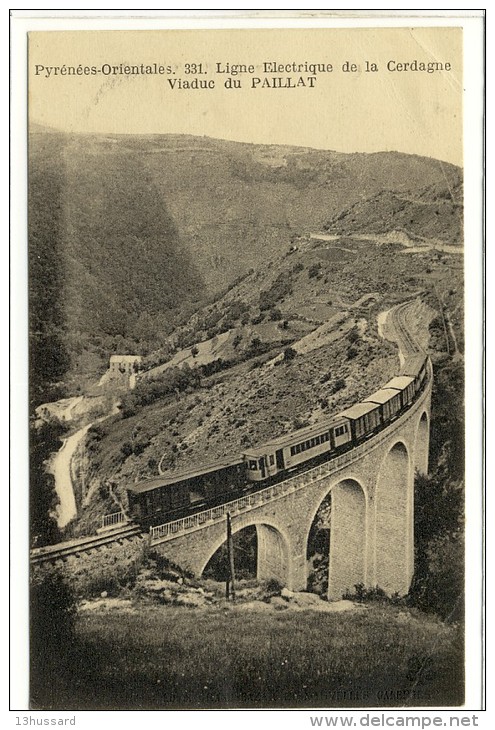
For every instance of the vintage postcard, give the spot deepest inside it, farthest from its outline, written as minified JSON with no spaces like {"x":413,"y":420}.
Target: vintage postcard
{"x":247,"y":365}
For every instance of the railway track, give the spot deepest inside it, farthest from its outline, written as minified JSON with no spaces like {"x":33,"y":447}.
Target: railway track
{"x":408,"y":345}
{"x":63,"y":550}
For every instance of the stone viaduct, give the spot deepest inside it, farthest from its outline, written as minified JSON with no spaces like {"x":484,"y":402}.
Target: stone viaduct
{"x":372,"y":514}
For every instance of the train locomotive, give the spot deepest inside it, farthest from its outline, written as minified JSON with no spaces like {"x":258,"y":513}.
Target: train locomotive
{"x":168,"y":497}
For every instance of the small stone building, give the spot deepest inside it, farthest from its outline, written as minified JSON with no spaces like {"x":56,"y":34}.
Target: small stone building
{"x":124,"y":364}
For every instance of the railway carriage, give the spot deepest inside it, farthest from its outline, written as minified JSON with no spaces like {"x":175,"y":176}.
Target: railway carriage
{"x":389,"y":402}
{"x":416,"y":368}
{"x":404,"y":384}
{"x":182,"y":492}
{"x":341,"y":432}
{"x":364,"y":419}
{"x":290,"y":450}
{"x":263,"y":461}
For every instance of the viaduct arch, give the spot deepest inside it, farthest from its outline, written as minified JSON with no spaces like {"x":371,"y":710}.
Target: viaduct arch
{"x":422,"y":444}
{"x":273,"y":550}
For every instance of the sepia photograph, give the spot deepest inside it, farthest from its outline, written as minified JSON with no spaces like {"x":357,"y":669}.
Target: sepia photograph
{"x":247,"y":363}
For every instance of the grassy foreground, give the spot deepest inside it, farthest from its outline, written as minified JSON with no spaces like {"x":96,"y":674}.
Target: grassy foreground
{"x":151,"y":657}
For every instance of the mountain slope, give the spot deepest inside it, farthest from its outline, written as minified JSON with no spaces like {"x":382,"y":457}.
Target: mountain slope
{"x":432,"y":212}
{"x":101,"y":246}
{"x":236,"y":204}
{"x":129,"y":232}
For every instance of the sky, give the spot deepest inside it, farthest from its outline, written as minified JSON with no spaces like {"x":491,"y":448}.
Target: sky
{"x":410,"y":111}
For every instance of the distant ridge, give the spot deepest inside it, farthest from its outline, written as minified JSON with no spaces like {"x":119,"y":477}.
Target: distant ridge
{"x":35,"y":128}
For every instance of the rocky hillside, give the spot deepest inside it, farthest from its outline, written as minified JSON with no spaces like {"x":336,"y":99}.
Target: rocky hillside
{"x":433,"y":212}
{"x":237,"y":204}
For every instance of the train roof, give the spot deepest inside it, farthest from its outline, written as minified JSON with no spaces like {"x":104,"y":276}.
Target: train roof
{"x":167,"y":479}
{"x":413,"y":365}
{"x":358,"y":410}
{"x":294,"y":437}
{"x":382,"y":396}
{"x":400,"y":382}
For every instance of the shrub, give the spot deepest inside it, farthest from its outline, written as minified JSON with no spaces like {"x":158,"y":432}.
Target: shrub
{"x":280,"y":288}
{"x":363,"y":594}
{"x":126,"y":449}
{"x":314,"y":270}
{"x":236,"y":309}
{"x":272,"y":588}
{"x":260,"y":360}
{"x":256,"y":346}
{"x":139,"y":447}
{"x":353,"y":335}
{"x":289,"y":354}
{"x":298,"y":423}
{"x":438,"y":583}
{"x":51,"y":632}
{"x":172,"y":381}
{"x":52,"y":615}
{"x":339,"y":384}
{"x":96,"y":432}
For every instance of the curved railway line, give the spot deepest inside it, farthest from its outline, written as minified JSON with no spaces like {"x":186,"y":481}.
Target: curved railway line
{"x":121,"y":531}
{"x":407,"y":344}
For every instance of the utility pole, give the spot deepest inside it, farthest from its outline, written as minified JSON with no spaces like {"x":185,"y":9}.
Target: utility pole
{"x":230,"y":583}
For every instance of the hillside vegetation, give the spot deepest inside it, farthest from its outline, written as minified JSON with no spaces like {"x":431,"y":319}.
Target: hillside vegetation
{"x":101,"y":244}
{"x":119,"y":227}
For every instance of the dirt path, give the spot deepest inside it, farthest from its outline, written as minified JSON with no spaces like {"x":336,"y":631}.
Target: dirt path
{"x":61,"y":468}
